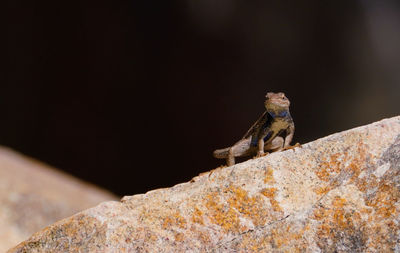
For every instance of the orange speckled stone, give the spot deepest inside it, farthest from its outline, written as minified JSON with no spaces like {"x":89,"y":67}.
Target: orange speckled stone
{"x":340,"y":193}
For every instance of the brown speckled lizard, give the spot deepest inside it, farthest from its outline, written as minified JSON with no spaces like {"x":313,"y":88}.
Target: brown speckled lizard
{"x":273,"y":131}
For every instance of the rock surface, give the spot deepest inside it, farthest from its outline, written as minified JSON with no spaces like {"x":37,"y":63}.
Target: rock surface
{"x":33,"y":196}
{"x":337,"y":194}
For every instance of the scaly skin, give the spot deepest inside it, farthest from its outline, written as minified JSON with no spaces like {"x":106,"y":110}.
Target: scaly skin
{"x":273,"y":131}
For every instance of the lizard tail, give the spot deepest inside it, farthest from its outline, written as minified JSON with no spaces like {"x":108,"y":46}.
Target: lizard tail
{"x":221,"y":153}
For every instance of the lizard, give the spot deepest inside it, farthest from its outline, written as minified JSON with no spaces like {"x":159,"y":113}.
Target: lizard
{"x":273,"y":131}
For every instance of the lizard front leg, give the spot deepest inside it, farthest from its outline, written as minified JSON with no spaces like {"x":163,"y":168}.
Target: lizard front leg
{"x":260,"y":147}
{"x":289,"y":137}
{"x":264,"y":139}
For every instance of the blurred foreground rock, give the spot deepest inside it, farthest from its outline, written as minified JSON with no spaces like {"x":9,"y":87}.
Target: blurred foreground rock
{"x":336,"y":194}
{"x":33,"y":196}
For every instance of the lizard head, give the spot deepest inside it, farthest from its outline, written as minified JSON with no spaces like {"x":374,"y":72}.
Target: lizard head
{"x":276,"y":101}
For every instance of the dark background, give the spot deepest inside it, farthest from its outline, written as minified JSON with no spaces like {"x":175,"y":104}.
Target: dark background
{"x":135,"y":95}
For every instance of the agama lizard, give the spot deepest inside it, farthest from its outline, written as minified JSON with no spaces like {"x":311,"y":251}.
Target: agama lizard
{"x":273,"y":131}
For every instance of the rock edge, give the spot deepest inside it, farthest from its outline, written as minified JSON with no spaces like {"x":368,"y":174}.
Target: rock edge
{"x":336,"y":194}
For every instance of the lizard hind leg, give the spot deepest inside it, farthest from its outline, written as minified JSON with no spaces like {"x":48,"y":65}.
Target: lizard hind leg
{"x":241,"y":148}
{"x":230,"y":160}
{"x":275,"y":145}
{"x":221,"y":153}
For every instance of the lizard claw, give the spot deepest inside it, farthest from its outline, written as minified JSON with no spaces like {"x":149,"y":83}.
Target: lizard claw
{"x":261,"y":154}
{"x":297,"y":145}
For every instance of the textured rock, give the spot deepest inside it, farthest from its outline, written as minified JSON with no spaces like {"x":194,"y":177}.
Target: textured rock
{"x":336,"y":194}
{"x":33,"y":196}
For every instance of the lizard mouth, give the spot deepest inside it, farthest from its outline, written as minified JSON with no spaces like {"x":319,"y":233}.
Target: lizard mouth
{"x":277,"y":102}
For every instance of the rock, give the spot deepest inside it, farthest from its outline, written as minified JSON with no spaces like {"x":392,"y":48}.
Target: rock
{"x":33,"y":196}
{"x":336,"y":194}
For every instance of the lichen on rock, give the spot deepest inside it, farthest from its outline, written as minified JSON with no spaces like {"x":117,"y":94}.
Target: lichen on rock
{"x":336,"y":194}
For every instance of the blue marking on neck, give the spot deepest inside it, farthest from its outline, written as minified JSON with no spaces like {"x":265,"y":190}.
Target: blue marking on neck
{"x":281,"y":114}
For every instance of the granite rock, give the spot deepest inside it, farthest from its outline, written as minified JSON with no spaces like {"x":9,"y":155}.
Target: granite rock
{"x":337,"y":194}
{"x":33,"y":196}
